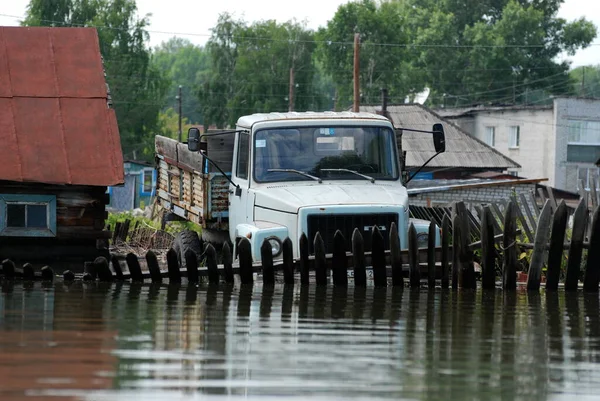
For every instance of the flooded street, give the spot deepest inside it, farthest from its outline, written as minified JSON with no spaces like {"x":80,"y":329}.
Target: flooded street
{"x":123,"y":342}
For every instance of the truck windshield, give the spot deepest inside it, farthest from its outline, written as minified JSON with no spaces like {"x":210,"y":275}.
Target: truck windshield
{"x":329,"y":153}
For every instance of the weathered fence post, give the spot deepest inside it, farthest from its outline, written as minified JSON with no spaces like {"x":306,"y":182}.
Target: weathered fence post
{"x":153,"y":267}
{"x":509,"y":276}
{"x":8,"y":269}
{"x":266,"y":256}
{"x":133,"y":264}
{"x":358,"y":258}
{"x":102,"y":269}
{"x":542,"y":234}
{"x":320,"y":261}
{"x":557,"y":239}
{"x":592,"y":266}
{"x":340,"y":261}
{"x":68,"y":276}
{"x":378,"y":258}
{"x":396,"y":257}
{"x":414,"y":274}
{"x":245,"y":256}
{"x":47,"y":273}
{"x":115,"y":236}
{"x":288,"y":262}
{"x":227,"y":264}
{"x":28,"y":272}
{"x":466,"y":271}
{"x":304,"y":263}
{"x":117,"y":268}
{"x":456,"y":250}
{"x":191,"y":264}
{"x":580,"y":218}
{"x":211,"y":264}
{"x":431,"y":255}
{"x":488,"y":250}
{"x":445,"y":251}
{"x":173,"y":267}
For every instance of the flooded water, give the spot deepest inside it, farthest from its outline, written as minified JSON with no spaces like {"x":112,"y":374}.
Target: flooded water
{"x":124,"y":342}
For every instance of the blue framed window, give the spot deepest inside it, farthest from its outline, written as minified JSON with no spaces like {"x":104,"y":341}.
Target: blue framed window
{"x":27,"y":215}
{"x":148,"y":181}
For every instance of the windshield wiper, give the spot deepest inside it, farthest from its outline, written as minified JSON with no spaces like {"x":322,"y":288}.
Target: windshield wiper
{"x":291,"y":170}
{"x":345,"y":170}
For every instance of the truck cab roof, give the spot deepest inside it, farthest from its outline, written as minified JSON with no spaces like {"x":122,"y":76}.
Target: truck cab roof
{"x":249,"y":120}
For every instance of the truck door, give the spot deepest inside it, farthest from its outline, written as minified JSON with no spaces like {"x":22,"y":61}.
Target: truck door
{"x":238,"y":202}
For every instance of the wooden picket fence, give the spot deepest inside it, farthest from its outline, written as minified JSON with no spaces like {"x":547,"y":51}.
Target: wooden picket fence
{"x":450,"y":265}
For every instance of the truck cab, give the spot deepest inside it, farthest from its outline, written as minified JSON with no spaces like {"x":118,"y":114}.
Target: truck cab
{"x":303,"y":173}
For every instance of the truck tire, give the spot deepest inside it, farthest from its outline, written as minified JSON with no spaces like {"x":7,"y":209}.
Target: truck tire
{"x":184,"y":241}
{"x":216,"y":238}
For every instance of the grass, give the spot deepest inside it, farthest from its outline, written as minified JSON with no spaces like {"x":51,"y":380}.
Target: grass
{"x":172,"y":227}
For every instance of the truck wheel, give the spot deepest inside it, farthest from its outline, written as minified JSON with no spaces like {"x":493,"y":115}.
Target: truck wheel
{"x":215,"y":237}
{"x":184,"y":240}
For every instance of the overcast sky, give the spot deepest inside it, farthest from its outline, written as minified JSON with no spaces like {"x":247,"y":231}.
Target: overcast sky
{"x":193,"y":19}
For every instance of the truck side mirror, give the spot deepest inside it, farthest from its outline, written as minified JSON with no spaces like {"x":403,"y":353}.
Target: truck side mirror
{"x":439,"y":139}
{"x":193,"y":139}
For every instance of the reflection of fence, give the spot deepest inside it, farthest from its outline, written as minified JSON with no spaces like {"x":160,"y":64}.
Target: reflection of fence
{"x":452,"y":263}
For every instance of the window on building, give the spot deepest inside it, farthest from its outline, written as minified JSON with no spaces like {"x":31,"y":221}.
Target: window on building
{"x":584,"y":132}
{"x":583,"y":141}
{"x":514,"y":136}
{"x":243,"y":156}
{"x":490,"y":136}
{"x":147,"y":181}
{"x":28,"y":215}
{"x":588,"y":175}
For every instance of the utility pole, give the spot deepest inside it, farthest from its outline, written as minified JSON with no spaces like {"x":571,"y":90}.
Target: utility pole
{"x":583,"y":82}
{"x":179,"y":101}
{"x":291,"y":95}
{"x":356,"y":106}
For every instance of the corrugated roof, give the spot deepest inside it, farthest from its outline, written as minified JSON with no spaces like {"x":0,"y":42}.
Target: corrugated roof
{"x":463,"y":111}
{"x":462,"y":150}
{"x":55,"y":123}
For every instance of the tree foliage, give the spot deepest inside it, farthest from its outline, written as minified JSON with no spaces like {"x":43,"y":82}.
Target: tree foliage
{"x":250,"y":70}
{"x":137,"y":87}
{"x":586,"y":81}
{"x":187,"y":65}
{"x":381,"y":64}
{"x":464,"y":51}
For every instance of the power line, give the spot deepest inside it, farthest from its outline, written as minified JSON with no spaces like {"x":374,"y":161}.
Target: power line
{"x":327,"y":42}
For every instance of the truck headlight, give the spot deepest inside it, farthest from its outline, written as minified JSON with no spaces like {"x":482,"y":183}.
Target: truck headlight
{"x":275,"y":245}
{"x":422,"y":240}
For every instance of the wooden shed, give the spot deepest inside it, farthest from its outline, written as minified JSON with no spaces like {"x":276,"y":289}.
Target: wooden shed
{"x":60,"y":145}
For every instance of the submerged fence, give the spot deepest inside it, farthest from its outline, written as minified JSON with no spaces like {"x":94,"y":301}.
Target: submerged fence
{"x":450,"y":265}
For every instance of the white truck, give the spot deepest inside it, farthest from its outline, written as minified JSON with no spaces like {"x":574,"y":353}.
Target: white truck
{"x":280,"y":175}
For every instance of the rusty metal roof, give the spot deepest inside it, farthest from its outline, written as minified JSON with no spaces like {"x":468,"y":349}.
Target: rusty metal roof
{"x":55,"y":123}
{"x":462,"y":150}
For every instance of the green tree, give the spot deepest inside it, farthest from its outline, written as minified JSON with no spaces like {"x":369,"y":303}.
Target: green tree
{"x":586,"y":81}
{"x":500,"y":51}
{"x":187,"y":65}
{"x":389,"y":66}
{"x":168,"y":123}
{"x":137,"y":88}
{"x":250,"y":70}
{"x":464,"y":51}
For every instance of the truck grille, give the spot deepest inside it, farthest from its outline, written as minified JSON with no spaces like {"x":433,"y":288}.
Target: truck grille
{"x":328,"y":224}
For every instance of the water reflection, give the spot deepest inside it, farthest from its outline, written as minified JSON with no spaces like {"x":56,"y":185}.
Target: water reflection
{"x":174,"y":341}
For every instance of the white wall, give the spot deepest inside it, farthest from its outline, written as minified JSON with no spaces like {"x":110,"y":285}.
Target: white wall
{"x":535,"y":153}
{"x":571,"y":109}
{"x":537,"y":139}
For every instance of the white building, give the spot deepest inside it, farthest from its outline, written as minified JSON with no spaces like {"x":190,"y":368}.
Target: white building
{"x":560,"y":142}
